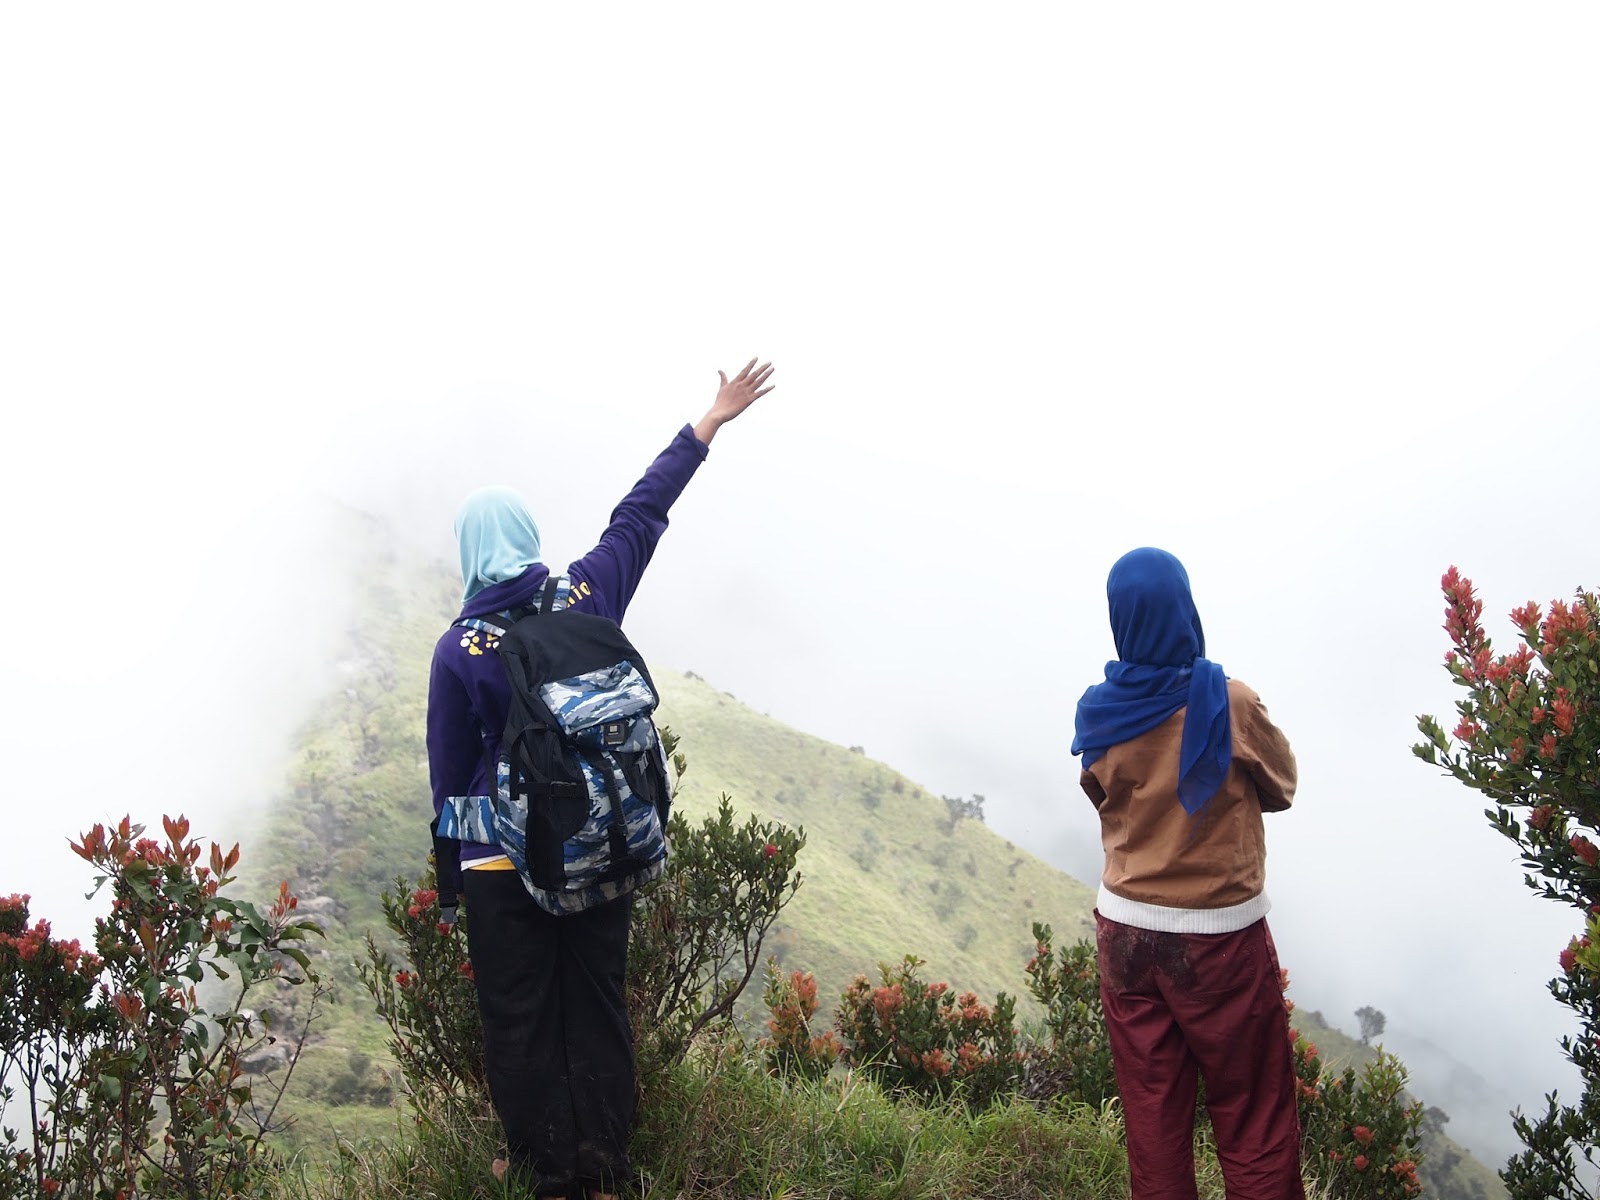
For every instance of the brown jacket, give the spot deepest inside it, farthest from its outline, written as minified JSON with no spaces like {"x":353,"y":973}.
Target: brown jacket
{"x":1160,"y":858}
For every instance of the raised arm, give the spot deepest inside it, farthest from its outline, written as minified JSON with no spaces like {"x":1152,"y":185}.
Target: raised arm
{"x":612,"y":570}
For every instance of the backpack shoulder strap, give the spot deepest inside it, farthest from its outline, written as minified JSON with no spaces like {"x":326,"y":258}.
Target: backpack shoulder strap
{"x":552,"y":599}
{"x":492,"y":628}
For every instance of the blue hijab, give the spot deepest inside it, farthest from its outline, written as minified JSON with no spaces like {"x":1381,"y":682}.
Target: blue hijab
{"x":1161,"y":667}
{"x":498,"y":538}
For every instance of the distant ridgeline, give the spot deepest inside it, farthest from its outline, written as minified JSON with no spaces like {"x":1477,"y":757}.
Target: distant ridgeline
{"x":889,"y":868}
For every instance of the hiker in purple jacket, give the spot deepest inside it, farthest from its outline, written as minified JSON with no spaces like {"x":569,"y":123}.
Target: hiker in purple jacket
{"x":557,"y":1044}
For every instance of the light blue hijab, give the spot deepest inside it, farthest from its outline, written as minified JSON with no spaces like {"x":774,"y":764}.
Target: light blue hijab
{"x":498,"y":538}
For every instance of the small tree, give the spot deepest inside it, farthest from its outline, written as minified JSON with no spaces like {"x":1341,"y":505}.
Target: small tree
{"x":1372,"y":1023}
{"x":1528,"y":739}
{"x":957,"y":810}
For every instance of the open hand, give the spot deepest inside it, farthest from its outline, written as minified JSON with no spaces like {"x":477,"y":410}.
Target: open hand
{"x":734,"y":396}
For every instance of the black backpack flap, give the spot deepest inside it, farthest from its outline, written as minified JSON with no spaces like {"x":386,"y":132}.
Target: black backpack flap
{"x":572,"y":644}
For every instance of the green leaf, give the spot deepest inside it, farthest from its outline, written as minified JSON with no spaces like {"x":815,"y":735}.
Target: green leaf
{"x":297,"y":955}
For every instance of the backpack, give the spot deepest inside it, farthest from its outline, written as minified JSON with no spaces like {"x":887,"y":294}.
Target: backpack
{"x":582,"y":795}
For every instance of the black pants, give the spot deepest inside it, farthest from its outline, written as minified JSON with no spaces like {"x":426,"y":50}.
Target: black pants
{"x":556,"y":1039}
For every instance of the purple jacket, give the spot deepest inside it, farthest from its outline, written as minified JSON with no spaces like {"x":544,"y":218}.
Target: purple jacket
{"x":467,"y":689}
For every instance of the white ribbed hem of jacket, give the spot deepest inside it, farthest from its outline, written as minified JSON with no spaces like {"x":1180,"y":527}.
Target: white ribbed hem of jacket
{"x":1181,"y":920}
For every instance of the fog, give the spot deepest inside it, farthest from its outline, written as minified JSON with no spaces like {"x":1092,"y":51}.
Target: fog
{"x":1306,"y":298}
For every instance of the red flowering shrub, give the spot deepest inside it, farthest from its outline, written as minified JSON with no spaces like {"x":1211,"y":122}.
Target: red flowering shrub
{"x":791,"y":1046}
{"x":133,"y":1085}
{"x":923,"y":1038}
{"x":1528,"y":739}
{"x":1359,"y":1132}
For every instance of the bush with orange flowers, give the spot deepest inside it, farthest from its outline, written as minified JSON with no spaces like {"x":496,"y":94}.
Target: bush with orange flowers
{"x":920,"y":1037}
{"x":1527,"y":739}
{"x":792,"y":1045}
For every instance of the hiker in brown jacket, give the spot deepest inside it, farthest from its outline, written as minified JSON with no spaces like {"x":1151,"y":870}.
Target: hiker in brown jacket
{"x":1181,"y":762}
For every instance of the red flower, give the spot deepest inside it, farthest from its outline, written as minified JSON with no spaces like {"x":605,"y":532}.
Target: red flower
{"x":1525,"y":617}
{"x":1585,"y":849}
{"x":769,"y":850}
{"x":1564,"y":715}
{"x":414,"y":912}
{"x":1360,"y":1162}
{"x":466,"y":969}
{"x":1361,"y":1134}
{"x":1547,"y":745}
{"x":1537,"y":715}
{"x":1539,"y":818}
{"x":1569,"y":960}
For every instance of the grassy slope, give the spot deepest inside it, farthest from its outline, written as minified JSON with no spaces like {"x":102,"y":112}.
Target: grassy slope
{"x":884,"y":877}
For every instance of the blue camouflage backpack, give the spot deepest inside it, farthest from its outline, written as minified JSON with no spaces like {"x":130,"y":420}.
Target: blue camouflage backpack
{"x":582,"y":794}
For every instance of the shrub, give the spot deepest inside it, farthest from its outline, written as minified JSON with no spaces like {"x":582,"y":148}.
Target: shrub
{"x":914,"y":1036}
{"x":431,"y":1004}
{"x":1075,"y":1063}
{"x":791,"y":1046}
{"x":134,"y":1086}
{"x":1360,"y":1133}
{"x":697,"y":931}
{"x":1528,"y":739}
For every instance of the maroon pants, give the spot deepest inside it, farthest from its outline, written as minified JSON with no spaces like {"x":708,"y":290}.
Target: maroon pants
{"x":1183,"y":1005}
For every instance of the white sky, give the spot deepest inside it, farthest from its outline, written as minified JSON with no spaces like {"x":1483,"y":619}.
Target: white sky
{"x":1306,"y":297}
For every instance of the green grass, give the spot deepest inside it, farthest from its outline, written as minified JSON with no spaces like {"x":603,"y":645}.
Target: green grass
{"x":718,"y":1127}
